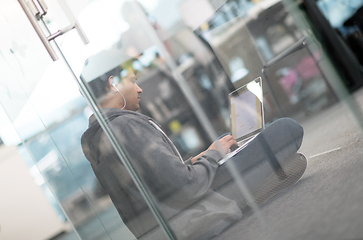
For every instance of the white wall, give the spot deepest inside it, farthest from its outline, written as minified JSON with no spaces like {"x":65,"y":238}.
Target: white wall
{"x":25,"y":213}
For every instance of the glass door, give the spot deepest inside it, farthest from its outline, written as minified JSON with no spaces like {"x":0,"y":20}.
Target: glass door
{"x":87,"y":40}
{"x":85,"y":50}
{"x":48,"y":115}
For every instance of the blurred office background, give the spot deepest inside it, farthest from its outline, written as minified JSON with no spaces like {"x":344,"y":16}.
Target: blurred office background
{"x":190,"y":54}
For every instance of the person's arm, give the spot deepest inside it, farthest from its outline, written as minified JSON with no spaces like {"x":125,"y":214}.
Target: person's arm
{"x":193,"y":159}
{"x":188,"y":161}
{"x":160,"y":167}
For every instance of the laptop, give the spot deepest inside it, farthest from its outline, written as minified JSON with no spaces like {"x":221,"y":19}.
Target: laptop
{"x":247,"y":115}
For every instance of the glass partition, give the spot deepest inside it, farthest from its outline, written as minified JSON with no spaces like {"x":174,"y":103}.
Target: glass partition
{"x":136,"y":133}
{"x":48,"y":115}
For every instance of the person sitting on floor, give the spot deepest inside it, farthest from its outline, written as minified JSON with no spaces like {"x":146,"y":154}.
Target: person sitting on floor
{"x":192,"y":195}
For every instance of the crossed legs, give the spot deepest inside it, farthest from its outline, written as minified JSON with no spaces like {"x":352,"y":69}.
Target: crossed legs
{"x":264,"y":155}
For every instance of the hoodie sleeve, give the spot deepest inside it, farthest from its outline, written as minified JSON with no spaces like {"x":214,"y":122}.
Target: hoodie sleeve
{"x":160,"y":167}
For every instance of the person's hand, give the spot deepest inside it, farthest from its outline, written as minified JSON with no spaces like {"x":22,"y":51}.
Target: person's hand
{"x":224,"y":144}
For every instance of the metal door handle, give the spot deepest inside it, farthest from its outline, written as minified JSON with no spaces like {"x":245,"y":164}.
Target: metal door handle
{"x":35,"y":10}
{"x":81,"y":33}
{"x":34,"y":21}
{"x":73,"y":21}
{"x":66,"y":29}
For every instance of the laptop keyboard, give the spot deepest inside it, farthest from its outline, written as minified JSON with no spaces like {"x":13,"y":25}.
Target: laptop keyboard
{"x":237,"y":150}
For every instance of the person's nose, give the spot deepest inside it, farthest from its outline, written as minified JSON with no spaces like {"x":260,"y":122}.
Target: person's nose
{"x":138,"y":89}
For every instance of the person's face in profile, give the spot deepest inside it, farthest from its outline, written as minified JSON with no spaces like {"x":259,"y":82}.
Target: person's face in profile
{"x":131,"y":91}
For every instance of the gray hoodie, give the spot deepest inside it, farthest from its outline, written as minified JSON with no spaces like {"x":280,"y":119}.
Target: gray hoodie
{"x":181,"y":189}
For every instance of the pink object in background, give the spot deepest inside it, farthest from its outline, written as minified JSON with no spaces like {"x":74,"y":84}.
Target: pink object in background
{"x":307,"y":68}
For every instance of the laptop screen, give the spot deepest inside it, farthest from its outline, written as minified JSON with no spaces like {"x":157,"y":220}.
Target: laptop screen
{"x":246,"y":108}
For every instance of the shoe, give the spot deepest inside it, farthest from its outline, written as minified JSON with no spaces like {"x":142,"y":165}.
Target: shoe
{"x":291,"y":172}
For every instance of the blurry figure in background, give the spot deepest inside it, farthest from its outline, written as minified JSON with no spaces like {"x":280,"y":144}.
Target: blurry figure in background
{"x":304,"y":84}
{"x":307,"y":69}
{"x":290,"y":83}
{"x":197,"y":196}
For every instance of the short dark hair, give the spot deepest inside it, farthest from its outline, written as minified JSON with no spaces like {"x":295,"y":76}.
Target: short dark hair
{"x":100,"y":85}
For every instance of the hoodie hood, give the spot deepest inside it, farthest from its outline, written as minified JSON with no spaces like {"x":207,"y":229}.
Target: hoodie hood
{"x":112,"y":113}
{"x":93,"y":134}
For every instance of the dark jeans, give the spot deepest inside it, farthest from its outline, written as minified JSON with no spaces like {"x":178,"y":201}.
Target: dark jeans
{"x":276,"y":143}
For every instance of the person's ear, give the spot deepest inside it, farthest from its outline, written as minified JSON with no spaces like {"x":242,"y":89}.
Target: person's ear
{"x":111,"y":82}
